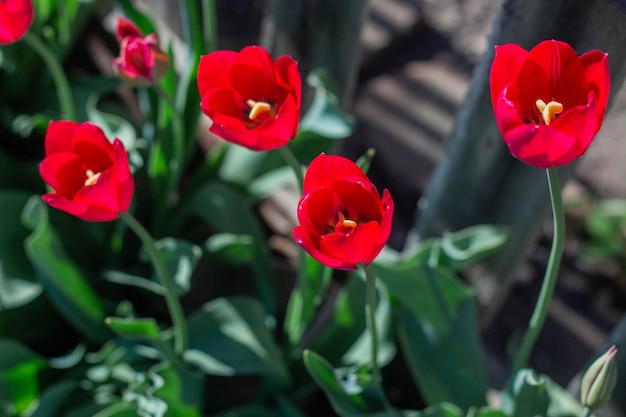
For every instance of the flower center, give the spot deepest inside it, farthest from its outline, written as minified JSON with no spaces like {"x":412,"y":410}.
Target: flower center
{"x":549,"y":111}
{"x":342,"y":223}
{"x":91,"y":177}
{"x":260,"y":110}
{"x":345,"y":226}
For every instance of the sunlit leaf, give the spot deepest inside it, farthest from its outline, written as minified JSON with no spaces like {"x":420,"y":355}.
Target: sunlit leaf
{"x":229,"y":336}
{"x":19,"y":369}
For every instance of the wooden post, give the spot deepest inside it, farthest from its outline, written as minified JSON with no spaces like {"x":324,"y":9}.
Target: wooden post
{"x":477,"y":180}
{"x":318,"y":33}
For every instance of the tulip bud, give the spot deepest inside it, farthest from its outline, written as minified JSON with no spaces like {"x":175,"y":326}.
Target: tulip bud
{"x":599,"y":380}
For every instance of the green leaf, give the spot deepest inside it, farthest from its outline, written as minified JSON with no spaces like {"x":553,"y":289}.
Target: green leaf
{"x":323,"y":374}
{"x":264,"y":185}
{"x":325,"y":117}
{"x":113,"y":126}
{"x":487,"y":412}
{"x":145,"y":329}
{"x":432,"y":295}
{"x":288,"y":408}
{"x":181,"y":258}
{"x":306,"y":297}
{"x":228,"y":211}
{"x":345,"y":334}
{"x":606,"y":225}
{"x":229,"y":336}
{"x":465,"y":247}
{"x":251,"y":411}
{"x":437,"y":328}
{"x":526,"y":395}
{"x":15,"y":292}
{"x":172,"y":391}
{"x":120,"y":409}
{"x":61,"y":279}
{"x":22,"y":303}
{"x":231,"y":248}
{"x":240,"y":165}
{"x":13,"y":258}
{"x":142,"y":20}
{"x":53,"y":399}
{"x":19,"y":369}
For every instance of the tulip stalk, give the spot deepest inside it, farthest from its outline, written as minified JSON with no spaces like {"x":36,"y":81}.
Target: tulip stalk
{"x":540,"y":312}
{"x":370,"y":311}
{"x":173,"y":304}
{"x":293,"y":162}
{"x":64,"y":94}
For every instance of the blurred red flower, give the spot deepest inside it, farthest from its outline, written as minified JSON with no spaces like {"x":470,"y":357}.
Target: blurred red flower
{"x":343,"y":220}
{"x":252,"y":100}
{"x":548,"y":102}
{"x":89,"y":175}
{"x":16,"y":17}
{"x":141,"y":61}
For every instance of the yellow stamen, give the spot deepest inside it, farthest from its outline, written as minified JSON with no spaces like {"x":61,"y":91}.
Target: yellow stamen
{"x":549,"y":111}
{"x":91,"y":177}
{"x":258,"y":108}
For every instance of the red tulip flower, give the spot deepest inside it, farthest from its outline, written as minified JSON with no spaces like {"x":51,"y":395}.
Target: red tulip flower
{"x":252,"y":100}
{"x":89,"y":175}
{"x":343,"y":220}
{"x":141,"y":61}
{"x":16,"y":17}
{"x":548,"y":102}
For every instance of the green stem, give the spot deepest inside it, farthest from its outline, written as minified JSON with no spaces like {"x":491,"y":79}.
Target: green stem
{"x":586,"y":412}
{"x":173,"y":304}
{"x":209,"y":18}
{"x":187,"y":97}
{"x":64,"y":94}
{"x":293,"y":162}
{"x":370,"y":311}
{"x":176,"y":163}
{"x":549,"y":280}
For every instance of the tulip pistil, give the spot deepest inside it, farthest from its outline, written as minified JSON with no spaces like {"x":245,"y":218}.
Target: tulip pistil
{"x":345,"y":226}
{"x":260,"y":109}
{"x":91,"y":177}
{"x":549,"y":111}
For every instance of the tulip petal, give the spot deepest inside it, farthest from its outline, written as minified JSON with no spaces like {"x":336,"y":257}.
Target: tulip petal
{"x":64,"y":173}
{"x":596,"y":64}
{"x":59,"y":136}
{"x":254,"y":76}
{"x":288,"y":69}
{"x":125,"y":180}
{"x":92,"y":147}
{"x":16,"y":16}
{"x":318,"y":209}
{"x":505,"y":68}
{"x":81,"y":210}
{"x":324,"y":170}
{"x":552,"y":71}
{"x":352,"y":248}
{"x":103,"y":194}
{"x":301,"y":238}
{"x":126,"y":28}
{"x":508,"y":116}
{"x":214,"y":71}
{"x":540,"y":146}
{"x":361,"y":200}
{"x":387,"y":220}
